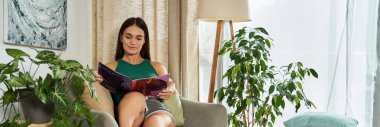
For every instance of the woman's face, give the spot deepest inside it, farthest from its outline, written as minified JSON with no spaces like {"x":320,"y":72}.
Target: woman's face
{"x":133,"y":39}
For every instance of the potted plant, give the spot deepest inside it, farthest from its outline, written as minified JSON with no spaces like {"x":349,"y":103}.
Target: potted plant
{"x":55,"y":95}
{"x":255,"y":89}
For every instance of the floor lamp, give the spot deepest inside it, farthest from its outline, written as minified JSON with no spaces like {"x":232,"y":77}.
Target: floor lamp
{"x":221,"y":11}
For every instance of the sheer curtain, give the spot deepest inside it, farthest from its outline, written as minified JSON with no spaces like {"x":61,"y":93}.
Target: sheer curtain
{"x":183,"y":46}
{"x":207,"y":32}
{"x":333,"y":37}
{"x":376,"y":104}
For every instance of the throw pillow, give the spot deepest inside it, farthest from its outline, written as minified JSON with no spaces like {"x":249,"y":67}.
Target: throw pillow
{"x":319,"y":119}
{"x":175,"y":107}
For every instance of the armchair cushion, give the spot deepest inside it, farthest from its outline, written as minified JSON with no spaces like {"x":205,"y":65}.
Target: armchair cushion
{"x":204,"y":114}
{"x":175,"y":107}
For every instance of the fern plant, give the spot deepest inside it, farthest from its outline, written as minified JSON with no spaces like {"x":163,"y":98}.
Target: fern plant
{"x":255,"y":89}
{"x":55,"y":87}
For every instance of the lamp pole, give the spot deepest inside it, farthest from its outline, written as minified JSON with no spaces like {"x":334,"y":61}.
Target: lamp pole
{"x":220,"y":24}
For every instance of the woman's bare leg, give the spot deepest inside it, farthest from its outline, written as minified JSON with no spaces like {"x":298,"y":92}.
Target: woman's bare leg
{"x":159,"y":119}
{"x":131,"y":110}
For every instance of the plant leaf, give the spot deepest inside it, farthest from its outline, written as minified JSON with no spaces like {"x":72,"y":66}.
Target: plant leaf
{"x":290,"y":66}
{"x":263,"y":65}
{"x":299,"y":85}
{"x":2,"y":78}
{"x":251,"y":34}
{"x":314,"y":73}
{"x":72,"y":65}
{"x":2,"y":67}
{"x":40,"y":92}
{"x":15,"y":81}
{"x":302,"y":72}
{"x":87,"y":75}
{"x":235,"y":71}
{"x":16,"y":53}
{"x":9,"y":97}
{"x":59,"y":73}
{"x":268,"y":43}
{"x":221,"y":95}
{"x":45,"y":55}
{"x":28,"y":79}
{"x":293,"y":75}
{"x":282,"y":104}
{"x":298,"y":106}
{"x":271,"y":89}
{"x":299,"y":64}
{"x":262,"y":30}
{"x":59,"y":95}
{"x":243,"y":43}
{"x":299,"y":95}
{"x":258,"y":37}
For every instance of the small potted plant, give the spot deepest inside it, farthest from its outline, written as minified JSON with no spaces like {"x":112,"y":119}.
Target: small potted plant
{"x":255,"y":89}
{"x":53,"y":96}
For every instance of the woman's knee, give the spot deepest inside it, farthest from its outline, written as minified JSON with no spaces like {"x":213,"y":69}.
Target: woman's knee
{"x":133,"y":100}
{"x":131,"y":109}
{"x":159,"y":119}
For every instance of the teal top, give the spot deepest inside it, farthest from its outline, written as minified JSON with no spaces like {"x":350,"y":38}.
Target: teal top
{"x":133,"y":71}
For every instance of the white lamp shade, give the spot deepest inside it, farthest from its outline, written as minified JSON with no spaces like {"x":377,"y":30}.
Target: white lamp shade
{"x":214,"y":10}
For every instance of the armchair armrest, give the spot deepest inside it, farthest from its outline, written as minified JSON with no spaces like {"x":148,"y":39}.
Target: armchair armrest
{"x":203,"y":114}
{"x":104,"y":119}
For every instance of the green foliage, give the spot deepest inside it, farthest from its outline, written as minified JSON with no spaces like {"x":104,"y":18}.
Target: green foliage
{"x":257,"y":90}
{"x":64,"y":75}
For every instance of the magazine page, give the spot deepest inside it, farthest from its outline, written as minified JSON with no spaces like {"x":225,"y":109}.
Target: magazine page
{"x":150,"y":87}
{"x":116,"y":82}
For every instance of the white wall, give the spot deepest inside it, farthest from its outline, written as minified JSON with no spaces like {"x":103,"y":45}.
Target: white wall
{"x":79,"y":36}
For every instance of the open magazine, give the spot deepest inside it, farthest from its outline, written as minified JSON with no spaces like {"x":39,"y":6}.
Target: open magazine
{"x":116,"y":82}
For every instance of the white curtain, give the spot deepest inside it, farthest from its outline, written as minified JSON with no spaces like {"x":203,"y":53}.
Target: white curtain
{"x":376,"y":104}
{"x":317,"y":33}
{"x":354,"y":61}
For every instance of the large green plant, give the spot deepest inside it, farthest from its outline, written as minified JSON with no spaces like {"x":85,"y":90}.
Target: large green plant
{"x":54,"y":87}
{"x":256,"y":90}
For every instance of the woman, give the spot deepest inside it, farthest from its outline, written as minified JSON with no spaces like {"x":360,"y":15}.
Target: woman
{"x":133,"y":60}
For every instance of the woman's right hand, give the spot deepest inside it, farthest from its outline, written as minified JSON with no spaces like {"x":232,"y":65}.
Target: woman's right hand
{"x":98,"y":77}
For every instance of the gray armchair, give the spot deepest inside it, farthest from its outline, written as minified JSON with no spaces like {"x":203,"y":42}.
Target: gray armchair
{"x":196,"y":115}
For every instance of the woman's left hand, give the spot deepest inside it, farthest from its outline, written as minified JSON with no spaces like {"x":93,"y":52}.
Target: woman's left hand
{"x":166,"y":93}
